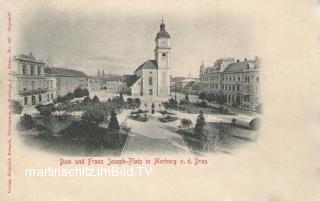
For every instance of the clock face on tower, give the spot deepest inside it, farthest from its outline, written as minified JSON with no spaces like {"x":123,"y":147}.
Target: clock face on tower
{"x":163,"y":43}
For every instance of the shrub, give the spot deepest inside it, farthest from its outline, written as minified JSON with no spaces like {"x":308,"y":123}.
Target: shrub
{"x":46,"y":110}
{"x":202,"y":96}
{"x":114,"y":124}
{"x":95,"y":99}
{"x":68,"y":97}
{"x":233,"y":121}
{"x":199,"y":128}
{"x":87,"y":99}
{"x":16,"y":107}
{"x":27,"y":122}
{"x":78,"y":92}
{"x":186,"y":122}
{"x":203,"y":104}
{"x":137,"y":102}
{"x":94,"y":115}
{"x":186,"y":98}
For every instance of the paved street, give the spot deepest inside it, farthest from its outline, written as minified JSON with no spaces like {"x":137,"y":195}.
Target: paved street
{"x":153,"y":137}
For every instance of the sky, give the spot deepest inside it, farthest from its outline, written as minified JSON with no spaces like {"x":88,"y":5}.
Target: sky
{"x":117,"y":37}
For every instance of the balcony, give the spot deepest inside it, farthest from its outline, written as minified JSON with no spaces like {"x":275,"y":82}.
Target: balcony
{"x":32,"y":91}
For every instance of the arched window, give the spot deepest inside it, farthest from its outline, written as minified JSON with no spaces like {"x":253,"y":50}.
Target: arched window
{"x":24,"y":69}
{"x":150,"y":80}
{"x":39,"y":70}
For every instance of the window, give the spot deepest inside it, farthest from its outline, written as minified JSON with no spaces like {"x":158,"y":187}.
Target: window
{"x":48,"y":97}
{"x":33,"y":100}
{"x":32,"y":70}
{"x":257,"y":79}
{"x":163,"y":56}
{"x":32,"y":85}
{"x":51,"y":96}
{"x":150,"y":80}
{"x":150,"y":92}
{"x":25,"y":85}
{"x":40,"y":98}
{"x":24,"y":70}
{"x":26,"y":100}
{"x":39,"y":70}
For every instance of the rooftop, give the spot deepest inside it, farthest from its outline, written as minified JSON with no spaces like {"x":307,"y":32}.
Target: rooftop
{"x":150,"y":64}
{"x":64,"y":72}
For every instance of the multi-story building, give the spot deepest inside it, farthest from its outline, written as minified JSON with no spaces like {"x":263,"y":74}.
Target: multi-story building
{"x":191,"y":88}
{"x":238,"y":80}
{"x":94,"y":84}
{"x":51,"y":86}
{"x":67,"y":80}
{"x":30,"y":87}
{"x":178,"y":84}
{"x":112,"y":84}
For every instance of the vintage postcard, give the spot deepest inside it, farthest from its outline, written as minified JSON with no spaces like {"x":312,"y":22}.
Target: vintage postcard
{"x":160,"y":100}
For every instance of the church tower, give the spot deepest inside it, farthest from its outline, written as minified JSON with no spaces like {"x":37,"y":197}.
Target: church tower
{"x":162,"y":56}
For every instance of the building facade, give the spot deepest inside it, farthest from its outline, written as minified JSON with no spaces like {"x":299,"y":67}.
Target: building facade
{"x":94,"y":84}
{"x":151,"y":80}
{"x":238,"y":80}
{"x":67,"y":80}
{"x":30,"y":87}
{"x":111,"y":84}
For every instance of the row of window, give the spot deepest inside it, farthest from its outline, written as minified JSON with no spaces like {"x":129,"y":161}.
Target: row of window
{"x":33,"y":70}
{"x":229,"y":78}
{"x":237,"y":99}
{"x":34,"y":101}
{"x":26,"y":84}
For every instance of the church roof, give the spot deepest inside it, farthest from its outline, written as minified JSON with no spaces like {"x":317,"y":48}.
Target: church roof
{"x":162,"y":33}
{"x":150,"y":64}
{"x":131,"y":79}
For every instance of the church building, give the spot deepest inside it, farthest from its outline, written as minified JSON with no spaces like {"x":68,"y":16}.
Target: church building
{"x":151,"y":80}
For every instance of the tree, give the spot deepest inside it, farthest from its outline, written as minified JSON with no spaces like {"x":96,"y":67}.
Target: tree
{"x":185,"y":122}
{"x":130,"y":102}
{"x":87,"y":99}
{"x":16,"y":107}
{"x":221,"y":99}
{"x":114,"y":124}
{"x":137,"y":102}
{"x":77,"y":92}
{"x":210,"y":98}
{"x":94,"y":114}
{"x":186,"y":99}
{"x":199,"y":128}
{"x":173,"y":102}
{"x":203,"y":104}
{"x":202,"y":96}
{"x":95,"y":99}
{"x":121,"y":97}
{"x":27,"y":122}
{"x":46,"y":110}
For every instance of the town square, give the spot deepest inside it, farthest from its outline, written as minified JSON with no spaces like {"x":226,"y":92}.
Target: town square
{"x":63,"y":110}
